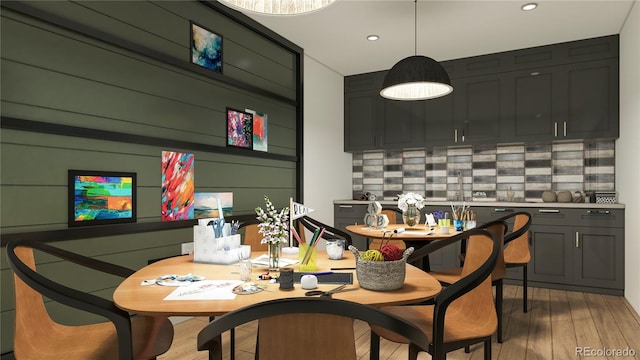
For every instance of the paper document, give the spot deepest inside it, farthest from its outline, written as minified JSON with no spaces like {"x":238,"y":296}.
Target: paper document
{"x":263,"y":260}
{"x":206,"y":290}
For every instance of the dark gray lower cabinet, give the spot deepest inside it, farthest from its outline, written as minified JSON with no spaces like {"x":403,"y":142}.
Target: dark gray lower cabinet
{"x":597,"y":257}
{"x":583,"y":250}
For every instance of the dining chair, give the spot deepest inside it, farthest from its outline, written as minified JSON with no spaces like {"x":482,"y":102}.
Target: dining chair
{"x":251,"y":235}
{"x":450,"y":276}
{"x":38,"y":336}
{"x":308,"y":328}
{"x":463,"y":313}
{"x":330,"y":232}
{"x":516,"y":248}
{"x":391,"y":213}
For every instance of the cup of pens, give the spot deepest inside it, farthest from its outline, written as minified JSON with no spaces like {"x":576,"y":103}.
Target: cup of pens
{"x":308,"y":261}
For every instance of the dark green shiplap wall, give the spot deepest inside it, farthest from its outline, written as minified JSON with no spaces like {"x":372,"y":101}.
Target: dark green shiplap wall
{"x":108,"y":86}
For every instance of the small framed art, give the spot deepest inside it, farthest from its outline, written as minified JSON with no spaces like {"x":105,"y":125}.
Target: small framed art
{"x":101,"y":197}
{"x":239,"y":129}
{"x":206,"y":48}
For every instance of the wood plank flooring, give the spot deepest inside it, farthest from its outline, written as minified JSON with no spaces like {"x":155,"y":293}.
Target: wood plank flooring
{"x":558,"y":322}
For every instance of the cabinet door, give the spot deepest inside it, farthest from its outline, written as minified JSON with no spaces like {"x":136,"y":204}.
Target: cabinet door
{"x":591,"y":97}
{"x":478,"y":114}
{"x":531,"y":99}
{"x":359,"y":120}
{"x":599,"y":257}
{"x":445,"y":258}
{"x":401,"y":124}
{"x":551,"y":254}
{"x":438,"y":116}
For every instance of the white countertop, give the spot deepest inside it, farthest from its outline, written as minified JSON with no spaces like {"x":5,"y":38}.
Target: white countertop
{"x":502,"y":204}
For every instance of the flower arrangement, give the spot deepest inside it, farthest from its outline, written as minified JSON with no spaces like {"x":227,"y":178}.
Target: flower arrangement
{"x":410,"y":199}
{"x":274,"y":224}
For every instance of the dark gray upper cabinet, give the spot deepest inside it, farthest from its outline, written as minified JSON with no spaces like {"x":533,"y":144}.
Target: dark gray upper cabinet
{"x":360,"y":110}
{"x":555,"y":92}
{"x":372,"y":122}
{"x":576,"y":101}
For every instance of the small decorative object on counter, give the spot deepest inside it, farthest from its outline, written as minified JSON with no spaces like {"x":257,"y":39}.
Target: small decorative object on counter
{"x":565,"y":197}
{"x":380,"y":275}
{"x":549,"y":196}
{"x":410,"y":204}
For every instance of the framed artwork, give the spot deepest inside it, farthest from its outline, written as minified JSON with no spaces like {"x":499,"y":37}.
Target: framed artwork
{"x":206,"y":48}
{"x":259,"y":130}
{"x":178,"y":186}
{"x":239,"y":129}
{"x":207,"y":204}
{"x":101,"y":197}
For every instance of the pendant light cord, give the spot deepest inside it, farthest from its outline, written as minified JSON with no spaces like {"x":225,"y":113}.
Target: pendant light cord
{"x":415,"y":27}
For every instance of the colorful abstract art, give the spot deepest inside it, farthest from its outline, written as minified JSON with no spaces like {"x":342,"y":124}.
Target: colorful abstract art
{"x":206,"y":204}
{"x":101,"y":197}
{"x":239,"y":129}
{"x":177,"y":186}
{"x":259,"y":130}
{"x":206,"y":48}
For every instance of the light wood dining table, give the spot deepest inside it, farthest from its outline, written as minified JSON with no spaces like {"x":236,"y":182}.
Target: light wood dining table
{"x":415,"y":236}
{"x":149,"y":300}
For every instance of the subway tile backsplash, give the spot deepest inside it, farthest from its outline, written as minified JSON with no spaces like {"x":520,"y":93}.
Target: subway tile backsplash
{"x":522,"y":171}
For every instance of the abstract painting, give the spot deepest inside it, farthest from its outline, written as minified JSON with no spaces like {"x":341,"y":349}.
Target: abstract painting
{"x":177,"y":186}
{"x":259,"y":130}
{"x":206,"y":48}
{"x":206,"y":204}
{"x":239,"y":129}
{"x":101,"y":197}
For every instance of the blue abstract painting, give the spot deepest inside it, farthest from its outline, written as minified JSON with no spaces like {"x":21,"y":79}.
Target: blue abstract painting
{"x":206,"y":48}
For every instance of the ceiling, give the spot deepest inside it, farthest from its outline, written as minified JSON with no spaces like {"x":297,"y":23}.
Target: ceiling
{"x":336,"y":36}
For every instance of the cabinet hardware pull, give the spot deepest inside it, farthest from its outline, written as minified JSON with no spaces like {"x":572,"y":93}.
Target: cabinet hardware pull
{"x":555,"y":129}
{"x":548,"y":211}
{"x":604,"y":212}
{"x":565,"y":128}
{"x":577,"y":239}
{"x":345,"y":206}
{"x":462,"y":135}
{"x":455,"y":135}
{"x":502,"y":210}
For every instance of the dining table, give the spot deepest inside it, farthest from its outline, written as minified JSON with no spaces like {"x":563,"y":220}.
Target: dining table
{"x":159,"y":300}
{"x":413,"y":236}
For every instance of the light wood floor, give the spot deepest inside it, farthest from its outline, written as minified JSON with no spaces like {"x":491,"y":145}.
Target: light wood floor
{"x":557,"y":323}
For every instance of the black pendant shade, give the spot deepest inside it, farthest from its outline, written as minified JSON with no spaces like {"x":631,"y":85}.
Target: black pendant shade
{"x":416,"y":78}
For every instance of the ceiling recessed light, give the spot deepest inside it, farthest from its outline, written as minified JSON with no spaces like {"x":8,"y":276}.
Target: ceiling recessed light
{"x":373,"y":37}
{"x":529,"y":6}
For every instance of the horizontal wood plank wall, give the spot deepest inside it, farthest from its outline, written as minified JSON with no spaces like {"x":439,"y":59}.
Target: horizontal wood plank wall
{"x":139,"y":81}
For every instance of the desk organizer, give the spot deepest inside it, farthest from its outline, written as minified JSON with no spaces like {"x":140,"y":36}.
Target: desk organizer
{"x":381,"y":275}
{"x":222,"y":250}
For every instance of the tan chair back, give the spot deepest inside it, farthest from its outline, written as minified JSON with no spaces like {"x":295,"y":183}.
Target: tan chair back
{"x":500,"y":270}
{"x":477,"y":304}
{"x":517,"y":250}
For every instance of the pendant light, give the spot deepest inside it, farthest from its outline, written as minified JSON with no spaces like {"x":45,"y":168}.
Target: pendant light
{"x":278,"y":7}
{"x":416,"y":77}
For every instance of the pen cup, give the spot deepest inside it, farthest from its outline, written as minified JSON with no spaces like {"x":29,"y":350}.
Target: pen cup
{"x":457,"y":224}
{"x":307,"y":258}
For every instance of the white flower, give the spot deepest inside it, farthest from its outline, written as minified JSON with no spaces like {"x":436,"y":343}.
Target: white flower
{"x":273,"y":223}
{"x":404,"y":200}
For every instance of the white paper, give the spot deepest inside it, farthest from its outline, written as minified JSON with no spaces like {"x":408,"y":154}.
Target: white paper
{"x":206,"y":290}
{"x":263,"y":260}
